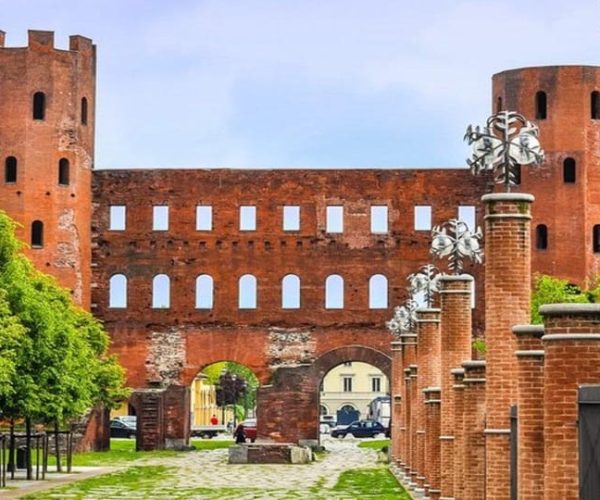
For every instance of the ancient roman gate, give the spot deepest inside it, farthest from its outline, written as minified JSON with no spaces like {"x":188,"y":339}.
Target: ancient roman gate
{"x":174,"y":252}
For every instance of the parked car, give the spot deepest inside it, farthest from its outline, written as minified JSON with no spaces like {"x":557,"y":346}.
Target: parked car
{"x":324,"y":428}
{"x":359,"y":429}
{"x":128,"y":419}
{"x":250,"y":429}
{"x":328,"y":420}
{"x":120,"y":429}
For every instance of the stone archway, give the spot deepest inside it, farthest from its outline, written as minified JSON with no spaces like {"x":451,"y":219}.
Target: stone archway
{"x":288,"y":409}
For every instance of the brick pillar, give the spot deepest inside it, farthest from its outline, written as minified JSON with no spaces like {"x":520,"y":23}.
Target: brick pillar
{"x":507,"y":299}
{"x":396,"y":389}
{"x":455,"y":299}
{"x":432,"y":441}
{"x":409,"y":346}
{"x":177,"y":412}
{"x":413,"y":424}
{"x":428,"y":361}
{"x":571,"y":359}
{"x":530,"y":405}
{"x":474,"y":425}
{"x":458,"y":400}
{"x":148,"y":404}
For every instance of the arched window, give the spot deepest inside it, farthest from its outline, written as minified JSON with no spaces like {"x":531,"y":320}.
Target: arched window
{"x":541,"y":237}
{"x":541,"y":104}
{"x":10,"y":169}
{"x":378,"y":292}
{"x":84,"y":111}
{"x":569,"y":174}
{"x":161,"y":292}
{"x":498,"y":104}
{"x":290,"y":292}
{"x":204,"y":292}
{"x":39,"y":106}
{"x":63,"y":172}
{"x":595,"y":105}
{"x":37,"y":234}
{"x":334,"y":292}
{"x":117,"y":291}
{"x":596,"y":238}
{"x":247,"y":292}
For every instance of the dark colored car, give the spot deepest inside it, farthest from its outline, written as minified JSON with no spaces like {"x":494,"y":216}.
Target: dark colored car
{"x":360,"y":429}
{"x":120,"y":429}
{"x":250,"y":429}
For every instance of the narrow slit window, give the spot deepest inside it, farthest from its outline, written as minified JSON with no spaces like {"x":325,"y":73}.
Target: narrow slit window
{"x":63,"y":172}
{"x":10,"y":170}
{"x":569,"y":173}
{"x":39,"y":106}
{"x":204,"y":292}
{"x":248,"y":218}
{"x":335,"y":219}
{"x":161,"y":292}
{"x":423,"y":218}
{"x":160,"y":218}
{"x":204,"y":217}
{"x":37,"y":234}
{"x":334,"y":292}
{"x":595,"y":105}
{"x":541,"y":105}
{"x":117,"y":291}
{"x":467,"y":215}
{"x":290,"y":292}
{"x":84,"y":111}
{"x":291,"y":218}
{"x":378,"y":292}
{"x":517,"y":174}
{"x":247,"y":292}
{"x":117,"y":218}
{"x":379,"y":219}
{"x":498,"y":104}
{"x":541,"y":237}
{"x":596,"y":240}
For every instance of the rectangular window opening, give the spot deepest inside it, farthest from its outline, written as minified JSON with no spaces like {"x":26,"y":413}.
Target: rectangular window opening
{"x":117,"y":218}
{"x":203,"y":218}
{"x":347,"y":384}
{"x":423,"y":218}
{"x":248,"y":218}
{"x":335,"y":219}
{"x":467,"y":215}
{"x":376,"y":384}
{"x":160,"y":218}
{"x":379,"y":219}
{"x":291,"y":218}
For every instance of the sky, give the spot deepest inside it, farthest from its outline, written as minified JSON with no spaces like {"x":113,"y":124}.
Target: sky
{"x":303,"y":83}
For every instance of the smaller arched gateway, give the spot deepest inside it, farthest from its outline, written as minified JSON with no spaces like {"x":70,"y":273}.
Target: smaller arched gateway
{"x":288,"y":409}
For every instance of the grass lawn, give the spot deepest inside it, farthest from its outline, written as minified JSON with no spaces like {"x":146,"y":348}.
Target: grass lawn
{"x":376,"y":444}
{"x":370,"y":483}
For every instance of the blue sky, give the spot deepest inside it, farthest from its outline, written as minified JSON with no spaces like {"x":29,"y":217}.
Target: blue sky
{"x":282,"y":83}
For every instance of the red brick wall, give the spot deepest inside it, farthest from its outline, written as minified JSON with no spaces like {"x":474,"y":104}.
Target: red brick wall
{"x":432,"y":441}
{"x":396,"y":388}
{"x":459,"y":438}
{"x":65,"y":76}
{"x":508,"y":297}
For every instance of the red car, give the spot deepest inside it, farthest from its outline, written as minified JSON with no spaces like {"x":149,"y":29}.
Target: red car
{"x":250,"y":429}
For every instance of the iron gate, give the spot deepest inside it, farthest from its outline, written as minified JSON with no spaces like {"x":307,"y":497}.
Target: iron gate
{"x":589,"y":442}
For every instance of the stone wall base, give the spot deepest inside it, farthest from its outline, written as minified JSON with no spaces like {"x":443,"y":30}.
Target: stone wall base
{"x":269,"y":453}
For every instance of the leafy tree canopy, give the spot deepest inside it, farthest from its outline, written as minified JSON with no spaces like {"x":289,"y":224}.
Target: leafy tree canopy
{"x":550,"y":290}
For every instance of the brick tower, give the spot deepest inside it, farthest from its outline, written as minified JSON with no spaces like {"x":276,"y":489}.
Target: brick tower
{"x":47,"y":104}
{"x":564,"y":101}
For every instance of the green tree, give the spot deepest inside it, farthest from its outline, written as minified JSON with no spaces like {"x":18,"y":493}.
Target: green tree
{"x":550,"y":290}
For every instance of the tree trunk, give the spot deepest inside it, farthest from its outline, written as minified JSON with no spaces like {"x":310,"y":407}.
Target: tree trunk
{"x":57,"y":446}
{"x":11,"y":449}
{"x":28,"y":447}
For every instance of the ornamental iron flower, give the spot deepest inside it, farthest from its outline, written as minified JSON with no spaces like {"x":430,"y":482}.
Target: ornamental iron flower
{"x":507,"y":141}
{"x":426,"y":282}
{"x":455,"y":240}
{"x":403,"y":320}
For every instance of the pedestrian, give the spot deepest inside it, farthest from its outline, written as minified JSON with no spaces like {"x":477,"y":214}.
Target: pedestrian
{"x":239,"y":434}
{"x":214,"y":420}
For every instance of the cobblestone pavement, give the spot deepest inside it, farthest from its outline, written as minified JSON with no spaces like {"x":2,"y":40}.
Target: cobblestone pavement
{"x":208,"y":475}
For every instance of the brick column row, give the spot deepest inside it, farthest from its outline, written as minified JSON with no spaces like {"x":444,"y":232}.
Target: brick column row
{"x":414,"y":410}
{"x":396,"y":388}
{"x":409,"y":346}
{"x":507,"y":299}
{"x":530,"y":410}
{"x":473,"y":483}
{"x":455,"y":300}
{"x":571,"y":359}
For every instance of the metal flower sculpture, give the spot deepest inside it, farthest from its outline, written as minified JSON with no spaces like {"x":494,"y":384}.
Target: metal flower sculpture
{"x":403,"y":320}
{"x":507,"y":141}
{"x":455,"y":240}
{"x":425,"y":281}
